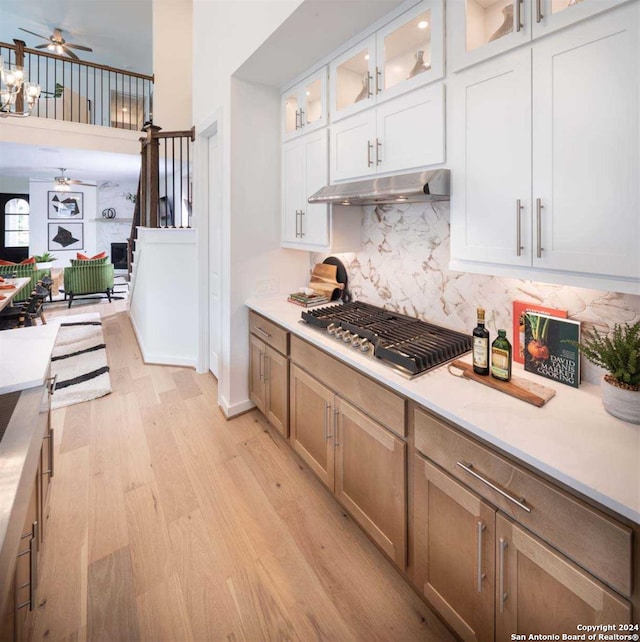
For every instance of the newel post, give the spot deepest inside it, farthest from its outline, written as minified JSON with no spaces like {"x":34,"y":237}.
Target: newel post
{"x":150,"y":186}
{"x":20,"y":45}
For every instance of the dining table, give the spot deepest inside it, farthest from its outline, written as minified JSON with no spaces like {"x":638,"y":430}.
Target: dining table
{"x":7,"y":294}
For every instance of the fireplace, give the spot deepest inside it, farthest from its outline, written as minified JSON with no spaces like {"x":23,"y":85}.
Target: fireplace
{"x":119,"y":256}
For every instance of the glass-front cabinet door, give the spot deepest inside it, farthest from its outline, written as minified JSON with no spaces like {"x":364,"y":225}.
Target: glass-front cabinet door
{"x":353,"y":76}
{"x":304,"y":106}
{"x":549,"y":15}
{"x":410,"y":50}
{"x":480,"y":29}
{"x":404,"y":54}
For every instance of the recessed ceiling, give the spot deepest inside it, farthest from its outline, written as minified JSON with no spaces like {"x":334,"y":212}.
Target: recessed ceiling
{"x":39,"y":161}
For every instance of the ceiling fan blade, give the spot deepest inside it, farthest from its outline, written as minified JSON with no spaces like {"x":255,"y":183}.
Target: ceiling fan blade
{"x":81,"y":47}
{"x":33,"y":33}
{"x":70,"y":53}
{"x":42,"y":46}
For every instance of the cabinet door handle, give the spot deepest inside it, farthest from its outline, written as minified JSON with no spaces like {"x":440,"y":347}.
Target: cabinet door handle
{"x":263,"y":332}
{"x":32,"y":552}
{"x":369,"y":149}
{"x":369,"y":82}
{"x":539,"y":247}
{"x":52,"y":382}
{"x":261,"y":370}
{"x":516,"y":15}
{"x":518,"y":502}
{"x":539,"y":15}
{"x":481,"y":575}
{"x":267,"y":368}
{"x":327,"y":412}
{"x":301,"y":118}
{"x":297,"y":232}
{"x":297,"y":117}
{"x":501,"y":570}
{"x":519,"y":208}
{"x":49,"y":470}
{"x":336,"y":424}
{"x":301,"y":224}
{"x":378,"y":151}
{"x":378,"y":79}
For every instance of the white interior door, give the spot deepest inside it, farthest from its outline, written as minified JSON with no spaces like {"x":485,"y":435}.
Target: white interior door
{"x":215,"y":251}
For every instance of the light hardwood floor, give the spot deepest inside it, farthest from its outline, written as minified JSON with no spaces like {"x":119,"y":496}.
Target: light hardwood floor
{"x":168,"y":523}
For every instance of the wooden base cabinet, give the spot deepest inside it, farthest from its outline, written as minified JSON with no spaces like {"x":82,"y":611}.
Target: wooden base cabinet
{"x":355,"y":457}
{"x":540,"y":591}
{"x":454,"y":551}
{"x":269,"y":372}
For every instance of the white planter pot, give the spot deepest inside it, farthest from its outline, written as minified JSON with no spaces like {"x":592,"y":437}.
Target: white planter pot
{"x":621,"y":403}
{"x":44,"y":266}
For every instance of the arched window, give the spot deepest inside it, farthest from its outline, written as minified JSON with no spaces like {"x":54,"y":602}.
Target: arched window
{"x":16,"y":223}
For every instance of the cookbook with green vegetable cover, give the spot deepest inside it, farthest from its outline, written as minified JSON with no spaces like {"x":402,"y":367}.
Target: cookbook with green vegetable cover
{"x":547,"y":348}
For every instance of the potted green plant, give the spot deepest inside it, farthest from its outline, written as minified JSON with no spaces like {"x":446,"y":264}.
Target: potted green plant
{"x":619,"y":355}
{"x":44,"y":260}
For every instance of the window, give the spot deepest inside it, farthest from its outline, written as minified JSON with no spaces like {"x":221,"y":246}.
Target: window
{"x":16,"y":223}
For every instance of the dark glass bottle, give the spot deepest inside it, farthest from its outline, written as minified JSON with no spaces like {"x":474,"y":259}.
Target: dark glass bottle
{"x":501,"y":357}
{"x":481,"y":346}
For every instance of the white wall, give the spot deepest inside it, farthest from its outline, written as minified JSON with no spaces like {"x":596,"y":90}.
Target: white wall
{"x":172,"y":64}
{"x":39,"y":222}
{"x":247,"y":119}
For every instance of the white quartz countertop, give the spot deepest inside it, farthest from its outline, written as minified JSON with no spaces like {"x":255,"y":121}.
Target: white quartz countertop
{"x":571,"y":438}
{"x":25,"y":355}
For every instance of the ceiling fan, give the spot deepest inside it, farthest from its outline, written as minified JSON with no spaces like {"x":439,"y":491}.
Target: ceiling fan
{"x":57,"y":44}
{"x":64,"y":182}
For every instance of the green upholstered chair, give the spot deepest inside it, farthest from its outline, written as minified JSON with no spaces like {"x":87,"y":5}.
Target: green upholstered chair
{"x":22,"y":271}
{"x":88,"y":277}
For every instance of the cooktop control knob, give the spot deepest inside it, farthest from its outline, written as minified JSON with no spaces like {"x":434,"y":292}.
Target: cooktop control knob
{"x":331,"y":328}
{"x":347,"y":336}
{"x":355,"y":341}
{"x":365,"y":345}
{"x":338,"y":333}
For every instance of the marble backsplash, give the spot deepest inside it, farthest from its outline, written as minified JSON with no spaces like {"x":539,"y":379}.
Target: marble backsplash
{"x":403,"y":266}
{"x":114,"y":230}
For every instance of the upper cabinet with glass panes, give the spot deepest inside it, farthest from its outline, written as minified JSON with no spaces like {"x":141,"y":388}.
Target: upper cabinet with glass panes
{"x":480,"y":29}
{"x":402,"y":55}
{"x":304,"y":106}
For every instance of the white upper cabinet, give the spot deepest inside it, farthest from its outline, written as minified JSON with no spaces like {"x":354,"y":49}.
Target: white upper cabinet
{"x":304,"y":106}
{"x":401,"y":56}
{"x":317,"y":227}
{"x":481,"y":29}
{"x":545,"y":158}
{"x":400,"y":134}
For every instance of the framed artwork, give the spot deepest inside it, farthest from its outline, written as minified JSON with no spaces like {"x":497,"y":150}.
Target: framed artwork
{"x":67,"y":205}
{"x":66,"y":236}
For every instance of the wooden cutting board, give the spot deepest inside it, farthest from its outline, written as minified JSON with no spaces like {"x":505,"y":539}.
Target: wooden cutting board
{"x":529,"y":391}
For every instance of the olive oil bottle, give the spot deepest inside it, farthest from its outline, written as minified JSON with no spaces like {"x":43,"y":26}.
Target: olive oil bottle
{"x":481,"y":346}
{"x":501,"y":357}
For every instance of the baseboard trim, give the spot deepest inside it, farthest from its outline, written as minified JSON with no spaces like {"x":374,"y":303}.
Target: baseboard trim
{"x":235,"y":410}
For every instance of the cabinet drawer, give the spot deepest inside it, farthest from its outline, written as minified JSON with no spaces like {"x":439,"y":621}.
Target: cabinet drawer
{"x":590,"y":538}
{"x":269,"y":332}
{"x":375,"y":400}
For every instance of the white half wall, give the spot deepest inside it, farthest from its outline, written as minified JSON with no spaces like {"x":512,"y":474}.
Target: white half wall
{"x":164,"y":296}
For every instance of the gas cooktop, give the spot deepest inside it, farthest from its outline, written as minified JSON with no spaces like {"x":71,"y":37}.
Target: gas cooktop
{"x":410,"y":345}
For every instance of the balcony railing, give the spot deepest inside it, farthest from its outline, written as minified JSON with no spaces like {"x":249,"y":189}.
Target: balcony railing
{"x":83,"y":92}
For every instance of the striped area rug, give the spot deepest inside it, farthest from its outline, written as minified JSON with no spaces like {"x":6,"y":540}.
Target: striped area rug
{"x":79,"y":359}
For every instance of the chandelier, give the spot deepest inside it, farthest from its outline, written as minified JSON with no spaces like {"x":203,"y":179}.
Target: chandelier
{"x":13,"y":82}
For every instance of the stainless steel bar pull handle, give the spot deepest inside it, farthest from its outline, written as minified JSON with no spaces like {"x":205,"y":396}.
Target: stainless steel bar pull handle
{"x":517,"y":18}
{"x":539,"y":15}
{"x":378,"y":79}
{"x":519,"y":246}
{"x":369,"y":149}
{"x":51,"y":461}
{"x":518,"y":502}
{"x":327,"y":412}
{"x":297,"y":116}
{"x":301,"y":118}
{"x":539,"y":247}
{"x":369,"y":83}
{"x":301,"y":224}
{"x":263,"y":332}
{"x":261,"y":372}
{"x":336,"y":421}
{"x":378,"y":151}
{"x":481,"y":575}
{"x":267,"y":368}
{"x":501,"y":570}
{"x":52,"y":382}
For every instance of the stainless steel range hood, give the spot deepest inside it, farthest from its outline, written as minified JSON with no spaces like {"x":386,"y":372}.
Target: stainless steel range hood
{"x":418,"y":187}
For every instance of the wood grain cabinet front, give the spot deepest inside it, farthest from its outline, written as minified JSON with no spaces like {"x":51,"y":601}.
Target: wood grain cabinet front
{"x":359,"y":460}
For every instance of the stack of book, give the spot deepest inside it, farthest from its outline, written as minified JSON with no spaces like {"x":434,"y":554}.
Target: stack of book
{"x":307,"y":301}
